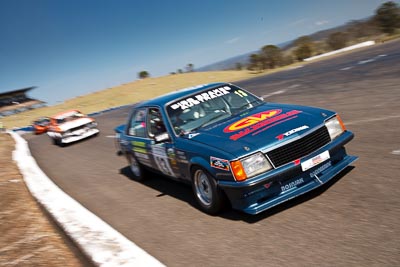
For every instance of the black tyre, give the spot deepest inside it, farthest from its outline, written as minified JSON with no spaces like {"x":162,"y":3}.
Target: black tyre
{"x":137,"y":170}
{"x":58,"y":142}
{"x":209,"y":196}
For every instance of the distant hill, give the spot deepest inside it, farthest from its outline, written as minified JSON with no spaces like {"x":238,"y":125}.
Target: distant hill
{"x":230,"y":63}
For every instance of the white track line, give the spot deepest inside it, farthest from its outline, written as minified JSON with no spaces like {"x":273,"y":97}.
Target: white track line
{"x":366,"y":61}
{"x":372,"y":119}
{"x":346,"y":68}
{"x":396,"y":152}
{"x":99,"y":241}
{"x":274,"y":93}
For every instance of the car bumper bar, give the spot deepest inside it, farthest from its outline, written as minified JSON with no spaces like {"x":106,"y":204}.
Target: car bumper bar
{"x":313,"y":184}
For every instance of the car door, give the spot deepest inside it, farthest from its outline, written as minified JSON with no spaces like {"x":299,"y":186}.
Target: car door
{"x":136,"y":140}
{"x":145,"y":126}
{"x":161,"y":146}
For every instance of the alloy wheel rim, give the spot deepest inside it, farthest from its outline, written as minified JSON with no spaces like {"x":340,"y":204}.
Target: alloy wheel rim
{"x":203,"y":188}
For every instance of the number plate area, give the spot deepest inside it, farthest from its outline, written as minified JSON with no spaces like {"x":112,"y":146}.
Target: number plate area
{"x":314,"y":161}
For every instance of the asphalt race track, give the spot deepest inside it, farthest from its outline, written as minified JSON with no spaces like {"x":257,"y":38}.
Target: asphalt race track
{"x":352,"y":221}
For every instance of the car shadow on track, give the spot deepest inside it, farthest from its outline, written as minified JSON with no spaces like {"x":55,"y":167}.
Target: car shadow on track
{"x":164,"y":185}
{"x":184,"y":193}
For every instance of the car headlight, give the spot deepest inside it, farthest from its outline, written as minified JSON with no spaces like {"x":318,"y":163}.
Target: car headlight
{"x":335,"y":127}
{"x":250,"y":166}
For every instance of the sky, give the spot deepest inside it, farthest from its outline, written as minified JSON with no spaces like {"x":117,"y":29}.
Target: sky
{"x":69,"y":48}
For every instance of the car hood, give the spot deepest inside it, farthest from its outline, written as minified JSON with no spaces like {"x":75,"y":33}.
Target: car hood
{"x":261,"y":127}
{"x":73,"y":124}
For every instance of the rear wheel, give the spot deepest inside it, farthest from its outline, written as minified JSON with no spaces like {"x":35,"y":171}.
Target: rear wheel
{"x":137,"y":170}
{"x":206,"y":191}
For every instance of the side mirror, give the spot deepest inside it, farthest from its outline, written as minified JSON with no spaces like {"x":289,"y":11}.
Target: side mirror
{"x":159,"y":138}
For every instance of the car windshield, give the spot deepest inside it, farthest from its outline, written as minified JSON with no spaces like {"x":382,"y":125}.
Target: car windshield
{"x":42,"y":121}
{"x":70,"y":117}
{"x":210,"y":106}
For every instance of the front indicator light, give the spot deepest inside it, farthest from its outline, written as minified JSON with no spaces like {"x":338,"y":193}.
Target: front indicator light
{"x":250,"y":166}
{"x":238,"y":170}
{"x":335,"y":127}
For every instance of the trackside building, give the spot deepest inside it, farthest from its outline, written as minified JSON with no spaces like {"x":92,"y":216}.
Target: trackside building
{"x":17,"y":101}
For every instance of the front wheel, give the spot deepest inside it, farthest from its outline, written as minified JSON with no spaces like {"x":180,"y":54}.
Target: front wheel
{"x":206,"y":191}
{"x":58,"y":142}
{"x":135,"y":167}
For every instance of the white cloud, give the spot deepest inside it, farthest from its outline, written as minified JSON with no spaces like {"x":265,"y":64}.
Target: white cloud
{"x":233,"y":40}
{"x":321,"y":22}
{"x":298,"y":22}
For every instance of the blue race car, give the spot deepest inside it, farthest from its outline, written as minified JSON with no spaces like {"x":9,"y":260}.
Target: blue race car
{"x":233,"y":147}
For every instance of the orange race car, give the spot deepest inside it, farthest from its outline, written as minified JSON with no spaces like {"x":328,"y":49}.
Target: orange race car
{"x":71,"y":126}
{"x":41,"y":125}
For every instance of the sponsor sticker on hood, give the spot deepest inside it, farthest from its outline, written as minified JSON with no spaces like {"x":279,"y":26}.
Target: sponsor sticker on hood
{"x":259,"y":122}
{"x":251,"y":120}
{"x":289,"y":133}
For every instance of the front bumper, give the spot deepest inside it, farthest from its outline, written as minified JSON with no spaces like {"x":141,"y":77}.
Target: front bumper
{"x":286,"y":182}
{"x":74,"y":136}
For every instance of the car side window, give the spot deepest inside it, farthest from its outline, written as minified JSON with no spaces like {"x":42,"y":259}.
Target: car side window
{"x":137,"y":125}
{"x":156,"y":123}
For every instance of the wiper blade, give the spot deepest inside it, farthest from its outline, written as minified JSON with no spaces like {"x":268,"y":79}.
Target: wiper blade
{"x":249,"y":105}
{"x":208,"y":122}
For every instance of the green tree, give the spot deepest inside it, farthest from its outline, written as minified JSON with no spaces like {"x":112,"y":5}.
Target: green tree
{"x":302,"y":52}
{"x":189,"y":67}
{"x":303,"y":40}
{"x":287,"y":60}
{"x":143,"y":74}
{"x":304,"y":48}
{"x":271,"y":56}
{"x":388,"y":17}
{"x":337,"y":40}
{"x":255,"y":62}
{"x":362,"y":28}
{"x":238,"y":66}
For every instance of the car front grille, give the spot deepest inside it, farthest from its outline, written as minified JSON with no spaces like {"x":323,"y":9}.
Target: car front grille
{"x":78,"y":128}
{"x":299,"y":148}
